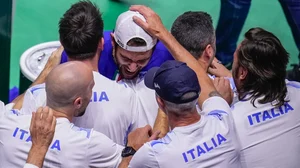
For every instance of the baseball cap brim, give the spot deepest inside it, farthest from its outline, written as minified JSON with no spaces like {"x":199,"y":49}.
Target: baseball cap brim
{"x":149,"y":77}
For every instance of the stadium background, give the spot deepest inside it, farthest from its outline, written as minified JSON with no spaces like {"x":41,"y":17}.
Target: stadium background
{"x":36,"y":21}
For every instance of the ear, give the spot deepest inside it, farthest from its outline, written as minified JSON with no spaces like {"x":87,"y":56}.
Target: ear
{"x":160,"y":103}
{"x":101,"y":44}
{"x":112,"y":39}
{"x":242,"y":73}
{"x":77,"y":103}
{"x":208,"y":54}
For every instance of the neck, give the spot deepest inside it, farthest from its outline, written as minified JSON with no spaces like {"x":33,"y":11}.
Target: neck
{"x":92,"y":62}
{"x":183,"y":120}
{"x":59,"y":113}
{"x":204,"y":64}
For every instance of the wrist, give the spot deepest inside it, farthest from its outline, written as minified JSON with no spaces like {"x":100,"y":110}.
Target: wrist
{"x":36,"y":155}
{"x":163,"y":35}
{"x":135,"y":146}
{"x":229,"y":74}
{"x":125,"y":162}
{"x":39,"y":149}
{"x":128,"y":151}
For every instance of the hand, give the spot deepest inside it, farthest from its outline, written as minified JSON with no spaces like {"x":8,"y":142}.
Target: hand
{"x":55,"y":58}
{"x":138,"y":137}
{"x":153,"y":24}
{"x":218,"y":69}
{"x":42,"y":127}
{"x":223,"y":87}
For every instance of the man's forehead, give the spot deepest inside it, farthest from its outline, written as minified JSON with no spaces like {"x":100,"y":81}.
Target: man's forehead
{"x":134,"y":55}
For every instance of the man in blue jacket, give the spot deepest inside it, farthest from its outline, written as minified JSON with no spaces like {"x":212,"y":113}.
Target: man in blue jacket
{"x":129,"y":51}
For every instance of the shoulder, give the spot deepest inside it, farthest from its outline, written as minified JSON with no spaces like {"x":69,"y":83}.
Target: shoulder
{"x":161,"y":144}
{"x":2,"y":109}
{"x":2,"y":106}
{"x":292,"y":85}
{"x":144,"y":157}
{"x":215,"y":104}
{"x":84,"y":132}
{"x":35,"y":92}
{"x":34,"y":97}
{"x":159,"y":56}
{"x":161,"y":51}
{"x":107,"y":50}
{"x":102,"y":151}
{"x":37,"y":88}
{"x":108,"y":84}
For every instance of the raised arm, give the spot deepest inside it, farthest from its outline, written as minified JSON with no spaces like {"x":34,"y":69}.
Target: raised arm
{"x":53,"y":60}
{"x":161,"y":123}
{"x":154,"y":26}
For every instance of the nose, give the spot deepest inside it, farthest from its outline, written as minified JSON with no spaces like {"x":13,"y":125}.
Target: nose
{"x":132,"y":67}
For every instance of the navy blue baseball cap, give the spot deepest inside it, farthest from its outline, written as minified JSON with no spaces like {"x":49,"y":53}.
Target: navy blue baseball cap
{"x":172,"y":80}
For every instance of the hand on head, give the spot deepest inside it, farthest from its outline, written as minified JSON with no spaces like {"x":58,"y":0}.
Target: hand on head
{"x":55,"y":57}
{"x":153,"y":24}
{"x":138,"y":137}
{"x":42,"y":127}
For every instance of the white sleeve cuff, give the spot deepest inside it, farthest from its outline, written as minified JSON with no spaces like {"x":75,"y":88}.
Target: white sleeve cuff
{"x":28,"y":165}
{"x":215,"y":103}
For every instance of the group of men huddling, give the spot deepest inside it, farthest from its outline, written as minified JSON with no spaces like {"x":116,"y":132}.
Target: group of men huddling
{"x":143,"y":96}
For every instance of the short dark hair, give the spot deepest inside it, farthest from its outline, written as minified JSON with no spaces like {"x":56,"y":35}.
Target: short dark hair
{"x":263,"y":55}
{"x":136,"y":42}
{"x":80,"y":30}
{"x":194,"y":31}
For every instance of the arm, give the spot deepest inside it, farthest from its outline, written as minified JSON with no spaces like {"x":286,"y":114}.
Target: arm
{"x":218,"y":108}
{"x":154,"y":26}
{"x":125,"y":162}
{"x":161,"y":123}
{"x":102,"y":151}
{"x":144,"y":157}
{"x":136,"y":139}
{"x":223,"y":87}
{"x":36,"y":157}
{"x":53,"y":60}
{"x":42,"y":130}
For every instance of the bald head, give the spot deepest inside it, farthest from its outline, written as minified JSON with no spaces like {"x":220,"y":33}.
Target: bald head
{"x":68,"y":82}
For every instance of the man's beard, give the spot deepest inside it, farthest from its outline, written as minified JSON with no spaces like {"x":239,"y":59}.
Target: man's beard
{"x":79,"y":114}
{"x":122,"y":68}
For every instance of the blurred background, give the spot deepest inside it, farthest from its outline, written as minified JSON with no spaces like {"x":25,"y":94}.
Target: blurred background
{"x":24,"y":24}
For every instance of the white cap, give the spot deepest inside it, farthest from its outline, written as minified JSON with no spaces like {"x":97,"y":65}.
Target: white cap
{"x":126,"y":29}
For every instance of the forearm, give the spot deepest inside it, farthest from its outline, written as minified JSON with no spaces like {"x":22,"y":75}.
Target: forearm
{"x":42,"y":77}
{"x":53,"y":61}
{"x":125,"y":162}
{"x":161,"y":123}
{"x":18,"y":102}
{"x":180,"y":54}
{"x":36,"y":156}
